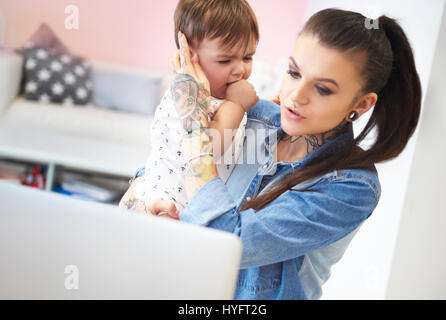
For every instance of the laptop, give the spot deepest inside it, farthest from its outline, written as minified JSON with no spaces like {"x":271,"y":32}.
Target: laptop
{"x":56,"y":247}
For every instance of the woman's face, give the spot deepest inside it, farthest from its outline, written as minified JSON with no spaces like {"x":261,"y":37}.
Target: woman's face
{"x":319,"y":89}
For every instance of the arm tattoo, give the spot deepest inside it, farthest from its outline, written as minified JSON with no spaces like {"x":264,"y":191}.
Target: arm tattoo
{"x":191,"y":102}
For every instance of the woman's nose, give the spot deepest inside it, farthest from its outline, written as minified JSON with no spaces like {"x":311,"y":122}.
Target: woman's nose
{"x":300,"y":94}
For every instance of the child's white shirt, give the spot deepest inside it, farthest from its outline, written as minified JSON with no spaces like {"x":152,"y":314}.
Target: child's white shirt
{"x":164,"y":176}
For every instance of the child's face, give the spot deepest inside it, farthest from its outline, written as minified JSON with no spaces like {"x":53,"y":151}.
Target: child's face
{"x":223,"y":66}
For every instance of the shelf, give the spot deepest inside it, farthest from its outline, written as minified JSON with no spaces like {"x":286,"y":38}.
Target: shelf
{"x":75,"y":152}
{"x":93,"y":187}
{"x":82,"y":185}
{"x":18,"y":172}
{"x":98,"y":161}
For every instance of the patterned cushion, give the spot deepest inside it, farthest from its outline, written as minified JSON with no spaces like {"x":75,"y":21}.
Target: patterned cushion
{"x":52,"y":76}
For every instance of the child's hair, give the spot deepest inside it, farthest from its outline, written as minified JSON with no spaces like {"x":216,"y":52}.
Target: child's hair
{"x":231,"y":20}
{"x":388,"y":70}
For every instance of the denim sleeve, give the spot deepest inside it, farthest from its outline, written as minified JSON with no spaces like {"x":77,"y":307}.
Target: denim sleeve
{"x":139,"y":173}
{"x":290,"y":226}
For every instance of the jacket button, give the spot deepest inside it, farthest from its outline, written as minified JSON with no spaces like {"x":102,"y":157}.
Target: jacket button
{"x":265,"y":166}
{"x":248,"y":198}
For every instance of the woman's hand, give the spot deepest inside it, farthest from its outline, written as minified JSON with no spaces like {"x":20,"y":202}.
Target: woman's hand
{"x":184,"y":63}
{"x":190,"y":88}
{"x":128,"y":198}
{"x":164,"y":209}
{"x":158,"y":207}
{"x":191,"y":96}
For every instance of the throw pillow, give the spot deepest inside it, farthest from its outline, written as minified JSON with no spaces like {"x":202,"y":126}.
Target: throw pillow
{"x":125,"y":92}
{"x":51,"y":76}
{"x":45,"y":37}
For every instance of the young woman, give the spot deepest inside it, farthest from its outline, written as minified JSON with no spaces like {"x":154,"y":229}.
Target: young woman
{"x":297,"y":208}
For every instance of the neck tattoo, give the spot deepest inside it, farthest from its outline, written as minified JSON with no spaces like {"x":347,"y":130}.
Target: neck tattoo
{"x":315,"y":141}
{"x":290,"y":138}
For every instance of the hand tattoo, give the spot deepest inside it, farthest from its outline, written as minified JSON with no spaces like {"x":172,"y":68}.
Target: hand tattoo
{"x":135,"y":205}
{"x":191,"y":102}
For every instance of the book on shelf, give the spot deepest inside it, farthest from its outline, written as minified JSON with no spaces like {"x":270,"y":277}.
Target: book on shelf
{"x":12,"y":172}
{"x":91,"y":188}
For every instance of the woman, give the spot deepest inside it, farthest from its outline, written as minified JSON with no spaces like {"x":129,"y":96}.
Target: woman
{"x":297,"y":209}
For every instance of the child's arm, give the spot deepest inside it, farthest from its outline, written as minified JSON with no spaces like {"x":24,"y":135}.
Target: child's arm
{"x":240,"y":97}
{"x":228,"y":116}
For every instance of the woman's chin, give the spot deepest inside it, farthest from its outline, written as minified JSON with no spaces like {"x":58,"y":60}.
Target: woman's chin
{"x":289,"y":130}
{"x":290,"y":127}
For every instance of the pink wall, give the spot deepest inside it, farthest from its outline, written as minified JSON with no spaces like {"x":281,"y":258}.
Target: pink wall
{"x":139,"y":32}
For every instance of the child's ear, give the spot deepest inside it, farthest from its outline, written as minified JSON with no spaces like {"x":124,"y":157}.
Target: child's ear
{"x":194,"y":56}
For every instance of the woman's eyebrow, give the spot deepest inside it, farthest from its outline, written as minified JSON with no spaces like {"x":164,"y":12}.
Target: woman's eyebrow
{"x":318,"y":79}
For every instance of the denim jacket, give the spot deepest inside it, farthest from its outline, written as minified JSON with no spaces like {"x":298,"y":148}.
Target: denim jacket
{"x":290,"y":244}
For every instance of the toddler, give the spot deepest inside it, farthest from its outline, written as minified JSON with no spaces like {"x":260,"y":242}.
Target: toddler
{"x":223,"y":36}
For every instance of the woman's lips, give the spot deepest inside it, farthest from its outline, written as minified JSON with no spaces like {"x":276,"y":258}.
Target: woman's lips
{"x":290,"y":113}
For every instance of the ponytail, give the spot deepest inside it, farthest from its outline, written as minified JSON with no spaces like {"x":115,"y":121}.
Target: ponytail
{"x":389,"y":71}
{"x":397,"y":110}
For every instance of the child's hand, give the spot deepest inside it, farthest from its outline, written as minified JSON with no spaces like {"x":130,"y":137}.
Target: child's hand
{"x":243,"y":93}
{"x":275,"y":99}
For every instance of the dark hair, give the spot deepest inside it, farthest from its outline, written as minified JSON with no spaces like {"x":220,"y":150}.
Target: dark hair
{"x":388,"y":70}
{"x":232,"y":20}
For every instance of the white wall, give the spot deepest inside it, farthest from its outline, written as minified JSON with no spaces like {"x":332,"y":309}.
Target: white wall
{"x":364,"y":271}
{"x":419,"y":263}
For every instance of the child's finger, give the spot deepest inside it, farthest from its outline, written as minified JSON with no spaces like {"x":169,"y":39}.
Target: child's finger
{"x":275,"y":99}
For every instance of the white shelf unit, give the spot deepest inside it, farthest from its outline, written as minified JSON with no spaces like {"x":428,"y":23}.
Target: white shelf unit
{"x":73,"y":153}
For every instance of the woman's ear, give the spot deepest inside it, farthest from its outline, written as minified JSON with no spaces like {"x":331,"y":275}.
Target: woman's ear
{"x":365,"y":103}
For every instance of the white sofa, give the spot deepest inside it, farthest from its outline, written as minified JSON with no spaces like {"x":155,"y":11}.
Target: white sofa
{"x":88,"y":139}
{"x":91,"y":121}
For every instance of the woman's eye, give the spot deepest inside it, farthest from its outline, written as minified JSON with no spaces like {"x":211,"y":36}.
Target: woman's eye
{"x":293,"y":74}
{"x":247,"y":58}
{"x":224,"y":61}
{"x":323,"y":91}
